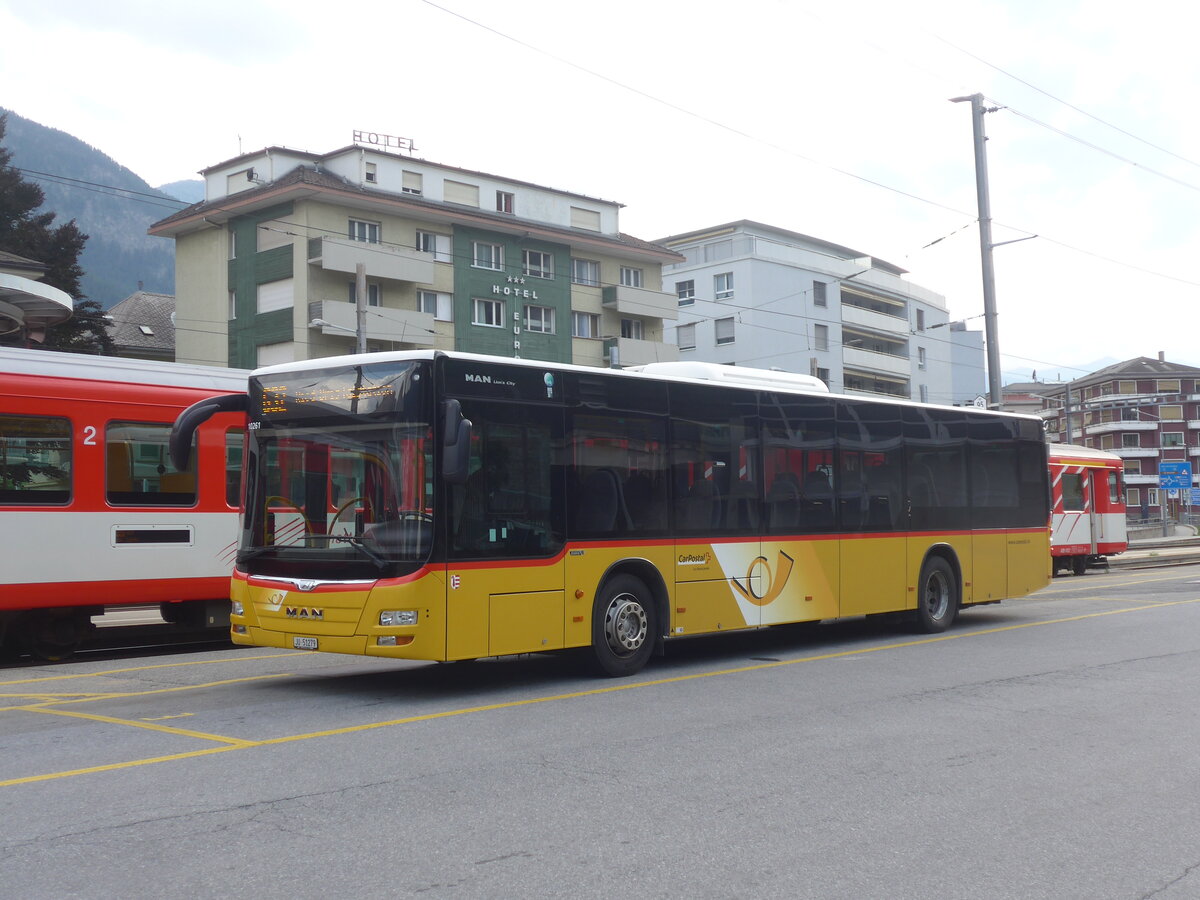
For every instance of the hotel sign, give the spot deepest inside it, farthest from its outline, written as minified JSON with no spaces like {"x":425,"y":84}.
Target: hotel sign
{"x":385,"y":141}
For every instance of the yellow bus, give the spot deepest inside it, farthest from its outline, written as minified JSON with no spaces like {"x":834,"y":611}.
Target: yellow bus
{"x":446,"y":506}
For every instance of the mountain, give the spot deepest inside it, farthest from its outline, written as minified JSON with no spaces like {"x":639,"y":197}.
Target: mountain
{"x":190,"y":191}
{"x":109,"y":203}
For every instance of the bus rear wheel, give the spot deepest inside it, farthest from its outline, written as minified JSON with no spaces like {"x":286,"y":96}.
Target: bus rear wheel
{"x":623,"y":626}
{"x":937,"y":596}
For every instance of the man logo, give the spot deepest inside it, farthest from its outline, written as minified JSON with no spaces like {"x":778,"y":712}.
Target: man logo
{"x":304,"y":612}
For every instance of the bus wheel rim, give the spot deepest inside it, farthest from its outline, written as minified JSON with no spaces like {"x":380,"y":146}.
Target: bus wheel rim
{"x":937,"y":595}
{"x":625,"y":625}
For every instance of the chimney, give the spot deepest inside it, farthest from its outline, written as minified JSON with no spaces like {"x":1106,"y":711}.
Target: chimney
{"x":1161,"y":356}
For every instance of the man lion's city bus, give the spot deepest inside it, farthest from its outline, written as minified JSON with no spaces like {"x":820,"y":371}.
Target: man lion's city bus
{"x":444,"y":506}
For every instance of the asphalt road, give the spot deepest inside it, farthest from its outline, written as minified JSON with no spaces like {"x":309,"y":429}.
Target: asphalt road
{"x":1041,"y":748}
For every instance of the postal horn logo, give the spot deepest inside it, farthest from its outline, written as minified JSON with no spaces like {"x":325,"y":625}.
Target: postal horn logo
{"x":772,"y":584}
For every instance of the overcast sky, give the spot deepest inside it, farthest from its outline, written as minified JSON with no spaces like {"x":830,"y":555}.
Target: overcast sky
{"x":829,"y":119}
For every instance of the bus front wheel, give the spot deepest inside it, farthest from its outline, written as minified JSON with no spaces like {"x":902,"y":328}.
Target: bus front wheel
{"x":623,"y":626}
{"x":937,"y":596}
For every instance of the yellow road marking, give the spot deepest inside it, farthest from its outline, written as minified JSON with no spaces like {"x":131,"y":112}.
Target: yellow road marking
{"x":60,"y":699}
{"x":149,"y":726}
{"x":175,"y":665}
{"x":231,"y":743}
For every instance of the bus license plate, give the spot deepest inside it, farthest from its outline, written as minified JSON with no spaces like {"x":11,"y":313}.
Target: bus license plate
{"x":304,"y":643}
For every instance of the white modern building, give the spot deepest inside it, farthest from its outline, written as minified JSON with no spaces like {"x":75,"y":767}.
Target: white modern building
{"x":755,"y":295}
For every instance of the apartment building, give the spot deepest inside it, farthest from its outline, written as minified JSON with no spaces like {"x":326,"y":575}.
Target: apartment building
{"x":756,"y":295}
{"x":269,"y":265}
{"x":1147,"y":411}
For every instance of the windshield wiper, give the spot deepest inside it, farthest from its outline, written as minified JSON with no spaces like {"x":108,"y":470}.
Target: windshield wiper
{"x":353,"y":540}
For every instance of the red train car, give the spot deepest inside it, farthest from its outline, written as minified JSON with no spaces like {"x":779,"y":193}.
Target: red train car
{"x":93,"y":515}
{"x":1088,"y":510}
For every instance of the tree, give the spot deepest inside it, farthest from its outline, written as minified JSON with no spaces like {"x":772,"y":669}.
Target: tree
{"x":31,"y":234}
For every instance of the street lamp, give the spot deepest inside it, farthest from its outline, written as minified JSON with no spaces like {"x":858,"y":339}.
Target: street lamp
{"x":360,"y":337}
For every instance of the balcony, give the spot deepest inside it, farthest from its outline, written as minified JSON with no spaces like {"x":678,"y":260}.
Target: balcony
{"x":1137,"y":479}
{"x":869,"y":360}
{"x":867,"y":318}
{"x":401,"y":326}
{"x":1134,"y":452}
{"x":1112,"y":427}
{"x":338,"y":254}
{"x":642,"y":302}
{"x":634,"y":352}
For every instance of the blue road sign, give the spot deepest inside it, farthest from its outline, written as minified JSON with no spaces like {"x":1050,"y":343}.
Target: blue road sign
{"x":1195,"y":500}
{"x":1175,"y":475}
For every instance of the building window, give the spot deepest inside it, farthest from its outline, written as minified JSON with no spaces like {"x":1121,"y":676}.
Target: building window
{"x":487,"y":312}
{"x":233,"y":243}
{"x":1170,"y":413}
{"x":1172,"y":438}
{"x":1130,"y":440}
{"x":633,"y":328}
{"x":438,"y":305}
{"x":504,"y":202}
{"x":537,"y":264}
{"x":588,"y":219}
{"x":686,"y":292}
{"x":364,"y":231}
{"x":723,"y":330}
{"x":1168,"y":385}
{"x":1133,"y":467}
{"x":924,"y":393}
{"x":685,"y":336}
{"x":821,"y":337}
{"x":1131,"y":414}
{"x":1133,"y":498}
{"x":371,"y":175}
{"x":539,"y":319}
{"x":232,"y":304}
{"x":275,"y":295}
{"x":585,"y":271}
{"x":437,"y":244}
{"x":411,"y":183}
{"x":631,"y":277}
{"x":1152,"y":496}
{"x":920,"y":357}
{"x":585,"y":325}
{"x":723,"y":286}
{"x":373,"y":293}
{"x":920,"y":320}
{"x":819,"y":293}
{"x":488,"y":256}
{"x":1126,"y":387}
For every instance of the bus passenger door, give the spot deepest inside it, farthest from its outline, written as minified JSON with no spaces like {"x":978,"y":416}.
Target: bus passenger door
{"x":504,"y":575}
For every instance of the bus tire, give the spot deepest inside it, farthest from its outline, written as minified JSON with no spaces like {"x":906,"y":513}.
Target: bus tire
{"x":937,"y":596}
{"x":624,"y":625}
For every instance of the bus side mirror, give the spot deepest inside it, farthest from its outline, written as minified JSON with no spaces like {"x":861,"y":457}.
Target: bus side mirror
{"x":456,"y":444}
{"x":179,"y":445}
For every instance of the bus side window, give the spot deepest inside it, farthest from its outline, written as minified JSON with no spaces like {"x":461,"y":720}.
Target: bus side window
{"x":234,"y":443}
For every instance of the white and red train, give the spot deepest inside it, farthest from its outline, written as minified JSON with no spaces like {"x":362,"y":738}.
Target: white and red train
{"x":92,"y":514}
{"x":1088,"y":507}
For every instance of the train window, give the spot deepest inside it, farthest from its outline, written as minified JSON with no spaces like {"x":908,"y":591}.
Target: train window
{"x":233,"y":466}
{"x":1072,"y":492}
{"x":35,"y":460}
{"x":138,"y":471}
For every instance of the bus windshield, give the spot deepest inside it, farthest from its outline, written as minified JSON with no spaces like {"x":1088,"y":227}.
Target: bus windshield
{"x":339,"y":473}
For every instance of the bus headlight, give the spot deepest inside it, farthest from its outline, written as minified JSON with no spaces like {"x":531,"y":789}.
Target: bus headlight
{"x":398,"y":617}
{"x":236,"y":608}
